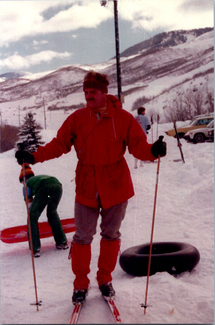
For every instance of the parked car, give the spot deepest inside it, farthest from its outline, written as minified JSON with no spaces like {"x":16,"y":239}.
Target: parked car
{"x":199,"y":121}
{"x":201,"y":135}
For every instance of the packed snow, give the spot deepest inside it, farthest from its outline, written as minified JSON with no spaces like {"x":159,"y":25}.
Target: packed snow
{"x":184,"y":213}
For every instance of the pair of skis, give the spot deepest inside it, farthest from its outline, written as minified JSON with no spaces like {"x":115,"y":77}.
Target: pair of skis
{"x":114,"y":311}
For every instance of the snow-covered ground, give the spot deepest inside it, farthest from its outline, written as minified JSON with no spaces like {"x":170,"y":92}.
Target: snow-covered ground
{"x":184,"y":213}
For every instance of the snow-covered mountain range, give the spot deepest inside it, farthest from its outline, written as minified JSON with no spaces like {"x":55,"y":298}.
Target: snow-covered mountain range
{"x":157,"y":69}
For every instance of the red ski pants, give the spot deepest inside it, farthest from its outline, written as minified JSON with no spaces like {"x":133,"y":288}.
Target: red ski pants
{"x":81,"y":256}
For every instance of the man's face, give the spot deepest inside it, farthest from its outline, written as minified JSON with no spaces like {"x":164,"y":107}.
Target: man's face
{"x":95,"y":98}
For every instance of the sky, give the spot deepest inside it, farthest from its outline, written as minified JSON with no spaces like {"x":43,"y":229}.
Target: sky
{"x":38,"y":36}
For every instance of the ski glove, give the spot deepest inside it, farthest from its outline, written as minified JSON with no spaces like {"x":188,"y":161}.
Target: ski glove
{"x":24,"y":156}
{"x":159,"y":148}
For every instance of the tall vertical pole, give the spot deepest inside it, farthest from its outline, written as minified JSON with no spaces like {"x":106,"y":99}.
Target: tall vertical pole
{"x":117,"y":49}
{"x":152,"y":232}
{"x":19,"y":114}
{"x":30,"y":235}
{"x":44,"y":107}
{"x":0,"y":131}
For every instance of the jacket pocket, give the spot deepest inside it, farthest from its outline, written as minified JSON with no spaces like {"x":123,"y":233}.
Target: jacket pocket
{"x":85,"y":181}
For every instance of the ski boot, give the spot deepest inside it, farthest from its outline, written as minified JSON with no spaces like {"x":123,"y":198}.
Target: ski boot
{"x":107,"y":291}
{"x":79,"y":296}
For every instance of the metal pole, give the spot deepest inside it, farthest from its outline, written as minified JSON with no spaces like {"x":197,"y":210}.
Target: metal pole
{"x":19,"y":114}
{"x":44,"y":112}
{"x":30,"y":238}
{"x":151,"y":240}
{"x":117,"y":49}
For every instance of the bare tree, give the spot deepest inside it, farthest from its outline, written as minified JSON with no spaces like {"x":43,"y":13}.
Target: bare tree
{"x":198,"y":102}
{"x":186,"y":105}
{"x":210,"y":102}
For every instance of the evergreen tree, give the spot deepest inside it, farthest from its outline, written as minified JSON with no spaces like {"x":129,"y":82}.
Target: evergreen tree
{"x":29,"y":137}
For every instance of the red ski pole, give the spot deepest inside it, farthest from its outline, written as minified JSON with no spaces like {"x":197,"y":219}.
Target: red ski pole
{"x":30,"y":236}
{"x":151,"y":240}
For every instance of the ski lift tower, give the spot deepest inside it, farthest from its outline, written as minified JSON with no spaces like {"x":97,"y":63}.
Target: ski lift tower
{"x":103,"y":3}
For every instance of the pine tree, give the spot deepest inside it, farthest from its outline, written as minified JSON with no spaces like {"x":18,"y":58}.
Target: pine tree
{"x":29,"y":137}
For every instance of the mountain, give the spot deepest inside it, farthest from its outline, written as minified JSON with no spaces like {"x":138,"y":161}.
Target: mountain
{"x":156,"y":70}
{"x":10,"y":75}
{"x":163,"y":40}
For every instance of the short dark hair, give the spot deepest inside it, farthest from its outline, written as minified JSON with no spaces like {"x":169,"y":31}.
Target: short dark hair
{"x":97,"y":76}
{"x":140,"y":110}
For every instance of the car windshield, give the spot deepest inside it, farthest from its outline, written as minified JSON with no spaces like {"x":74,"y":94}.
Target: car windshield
{"x":211,"y":124}
{"x":202,"y":121}
{"x":194,"y":122}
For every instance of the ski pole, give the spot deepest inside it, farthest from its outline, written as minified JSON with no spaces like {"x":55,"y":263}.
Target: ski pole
{"x":30,"y":236}
{"x":152,"y":231}
{"x":152,"y":127}
{"x":158,"y":119}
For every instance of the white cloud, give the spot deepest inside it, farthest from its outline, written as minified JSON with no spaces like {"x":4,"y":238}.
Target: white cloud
{"x":16,"y":62}
{"x":24,"y":18}
{"x":167,"y":14}
{"x":88,"y":15}
{"x":40,"y":42}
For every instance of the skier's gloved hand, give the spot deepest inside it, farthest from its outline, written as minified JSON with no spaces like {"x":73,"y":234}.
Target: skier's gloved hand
{"x":159,"y":148}
{"x":30,"y":201}
{"x":24,"y":156}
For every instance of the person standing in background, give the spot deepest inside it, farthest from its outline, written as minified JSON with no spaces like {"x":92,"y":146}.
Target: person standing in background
{"x":143,"y":120}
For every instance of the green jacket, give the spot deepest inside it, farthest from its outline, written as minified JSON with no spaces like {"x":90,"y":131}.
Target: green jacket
{"x":35,"y":182}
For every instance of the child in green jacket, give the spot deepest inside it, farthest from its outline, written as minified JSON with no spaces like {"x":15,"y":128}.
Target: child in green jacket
{"x":42,"y":191}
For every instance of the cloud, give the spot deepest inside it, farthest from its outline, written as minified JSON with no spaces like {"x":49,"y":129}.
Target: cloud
{"x":197,"y":5}
{"x":40,"y":42}
{"x":16,"y":62}
{"x":167,"y":14}
{"x":32,"y":18}
{"x":19,"y":19}
{"x":87,"y":14}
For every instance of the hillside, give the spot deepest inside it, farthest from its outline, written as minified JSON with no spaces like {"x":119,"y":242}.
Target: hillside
{"x":159,"y":69}
{"x":165,"y":39}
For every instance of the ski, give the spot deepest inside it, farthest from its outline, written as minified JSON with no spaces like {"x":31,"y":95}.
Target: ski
{"x":178,"y":140}
{"x":114,"y":310}
{"x":75,"y":314}
{"x":112,"y":306}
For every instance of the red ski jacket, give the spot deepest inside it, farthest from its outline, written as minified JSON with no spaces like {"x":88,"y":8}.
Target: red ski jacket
{"x":100,"y":142}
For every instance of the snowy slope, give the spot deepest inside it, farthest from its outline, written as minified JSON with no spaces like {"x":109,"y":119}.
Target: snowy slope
{"x":184,"y":213}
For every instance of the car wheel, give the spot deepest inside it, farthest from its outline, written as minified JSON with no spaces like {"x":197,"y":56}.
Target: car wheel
{"x":199,"y":137}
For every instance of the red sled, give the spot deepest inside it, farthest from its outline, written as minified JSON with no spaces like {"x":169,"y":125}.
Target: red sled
{"x":19,"y":234}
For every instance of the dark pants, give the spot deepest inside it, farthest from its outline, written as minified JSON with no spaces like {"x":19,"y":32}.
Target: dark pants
{"x":49,"y":195}
{"x":86,"y":222}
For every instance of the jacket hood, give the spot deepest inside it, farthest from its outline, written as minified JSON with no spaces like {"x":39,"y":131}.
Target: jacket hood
{"x":113,"y":104}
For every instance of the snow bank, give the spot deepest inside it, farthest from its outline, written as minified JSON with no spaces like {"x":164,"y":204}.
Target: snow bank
{"x":184,"y":213}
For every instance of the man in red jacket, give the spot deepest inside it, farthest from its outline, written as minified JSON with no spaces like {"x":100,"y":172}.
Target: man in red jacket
{"x":100,"y":134}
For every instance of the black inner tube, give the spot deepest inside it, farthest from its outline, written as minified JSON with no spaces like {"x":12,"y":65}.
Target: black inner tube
{"x":172,"y":257}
